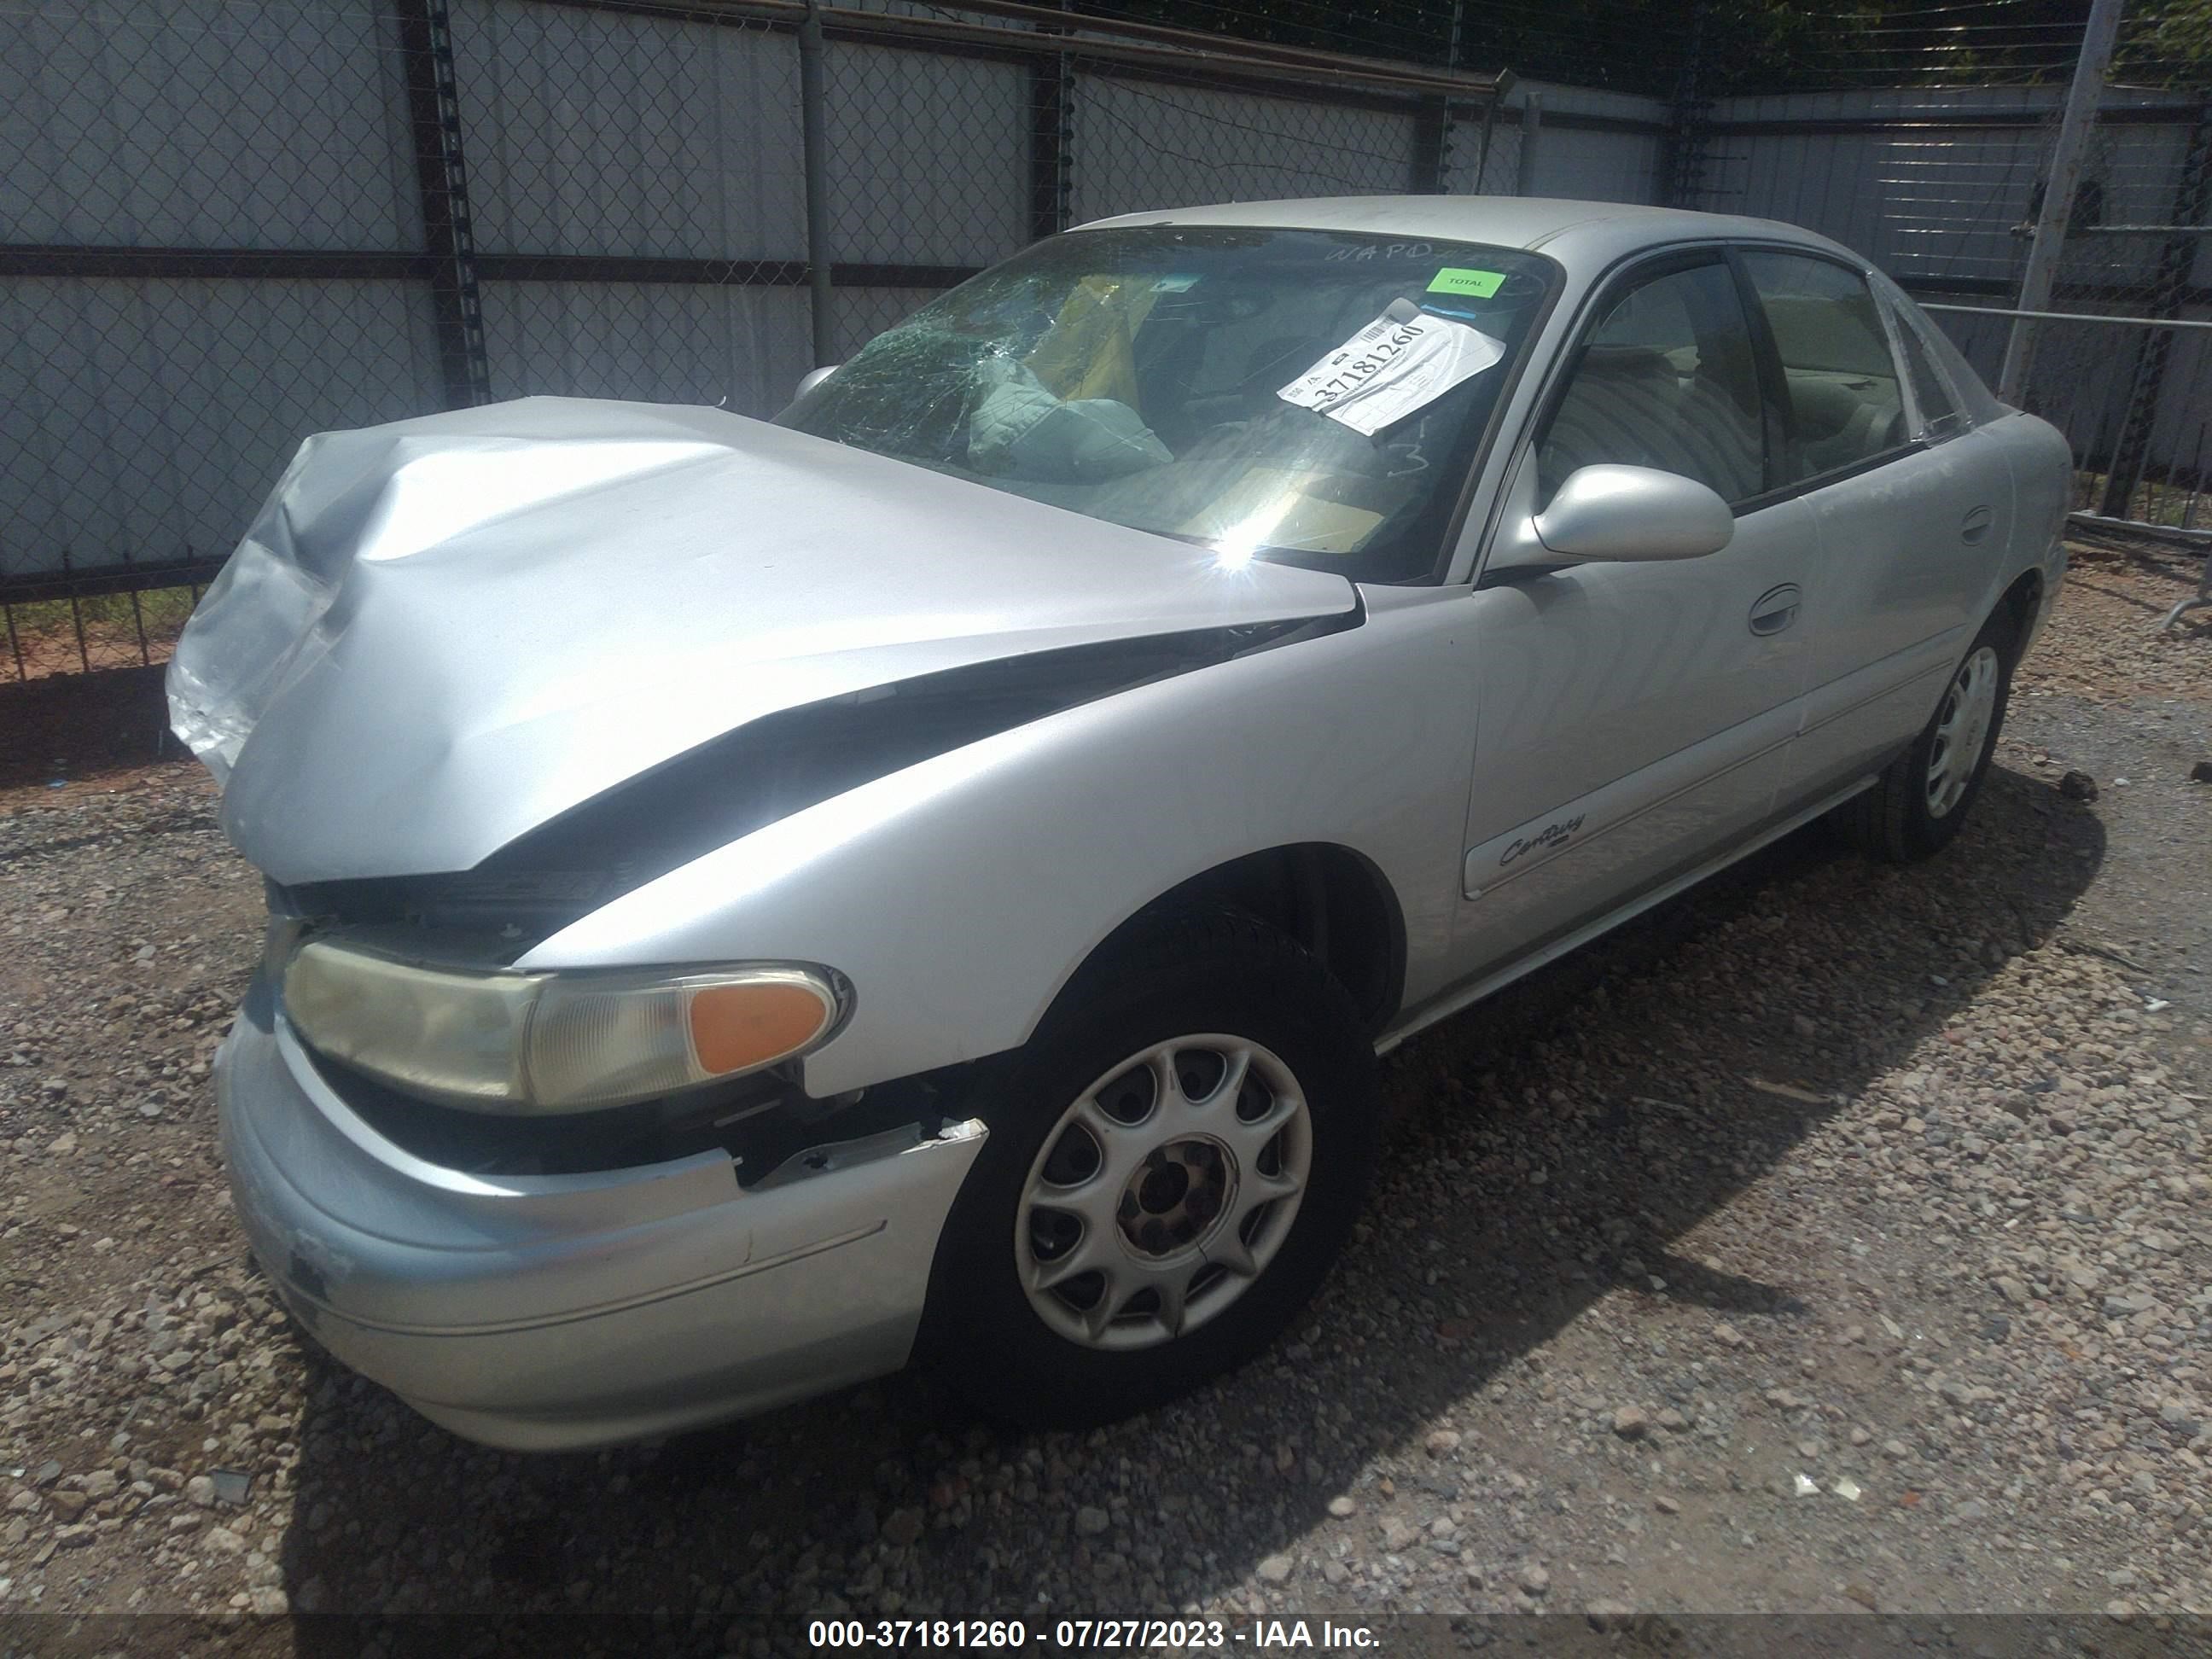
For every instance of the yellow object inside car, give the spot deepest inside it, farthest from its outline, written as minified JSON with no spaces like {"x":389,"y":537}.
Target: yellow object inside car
{"x":1090,"y":351}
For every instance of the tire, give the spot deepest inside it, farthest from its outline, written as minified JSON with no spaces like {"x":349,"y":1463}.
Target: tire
{"x":1909,"y":815}
{"x":1166,"y":1206}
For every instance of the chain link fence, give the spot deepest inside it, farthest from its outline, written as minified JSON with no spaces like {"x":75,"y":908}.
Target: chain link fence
{"x":175,"y":182}
{"x":224,"y":224}
{"x":2122,"y":367}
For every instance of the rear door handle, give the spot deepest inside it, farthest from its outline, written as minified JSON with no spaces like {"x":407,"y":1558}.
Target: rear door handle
{"x":1776,"y":609}
{"x":1976,"y":525}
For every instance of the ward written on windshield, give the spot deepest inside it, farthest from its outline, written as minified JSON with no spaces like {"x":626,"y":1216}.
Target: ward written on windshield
{"x":1307,"y":396}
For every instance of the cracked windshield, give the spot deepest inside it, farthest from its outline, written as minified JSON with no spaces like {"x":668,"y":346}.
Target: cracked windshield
{"x":1304,"y":396}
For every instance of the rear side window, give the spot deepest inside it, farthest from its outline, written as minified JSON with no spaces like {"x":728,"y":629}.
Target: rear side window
{"x":1846,"y":405}
{"x":1975,"y":405}
{"x":1940,"y":416}
{"x":1667,"y":378}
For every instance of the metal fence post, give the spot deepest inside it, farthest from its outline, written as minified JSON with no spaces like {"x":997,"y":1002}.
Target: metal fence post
{"x":1052,"y":132}
{"x":1532,"y":127}
{"x":1681,"y":157}
{"x":2168,"y":292}
{"x":2066,"y":157}
{"x":1427,"y":175}
{"x":1430,"y":173}
{"x":434,"y":115}
{"x":814,"y":161}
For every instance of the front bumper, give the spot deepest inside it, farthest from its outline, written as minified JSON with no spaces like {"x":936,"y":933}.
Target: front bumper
{"x":550,"y":1312}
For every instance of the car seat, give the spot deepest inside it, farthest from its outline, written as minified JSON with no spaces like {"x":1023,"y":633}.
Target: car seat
{"x":1627,"y":405}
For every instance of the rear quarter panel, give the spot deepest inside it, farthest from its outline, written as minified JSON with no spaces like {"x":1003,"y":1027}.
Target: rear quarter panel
{"x":2042,"y":464}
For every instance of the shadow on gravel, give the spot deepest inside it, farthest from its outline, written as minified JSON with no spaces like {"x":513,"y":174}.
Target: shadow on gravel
{"x":83,"y":727}
{"x":1548,"y":1148}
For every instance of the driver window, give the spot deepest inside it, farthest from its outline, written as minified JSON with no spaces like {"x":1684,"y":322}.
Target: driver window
{"x":1667,"y":378}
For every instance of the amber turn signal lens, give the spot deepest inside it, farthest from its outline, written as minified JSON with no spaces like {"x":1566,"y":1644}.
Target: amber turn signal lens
{"x":736,"y":1027}
{"x":551,"y":1042}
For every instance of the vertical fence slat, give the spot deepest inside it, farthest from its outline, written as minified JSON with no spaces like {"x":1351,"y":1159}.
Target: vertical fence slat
{"x":426,"y":42}
{"x":1052,"y":132}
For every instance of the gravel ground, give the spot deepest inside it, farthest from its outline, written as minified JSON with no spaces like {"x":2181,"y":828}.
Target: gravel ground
{"x":1831,"y":1239}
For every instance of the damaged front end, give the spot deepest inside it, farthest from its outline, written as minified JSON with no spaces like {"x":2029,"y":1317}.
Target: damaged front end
{"x":469,"y":680}
{"x":598,"y":1279}
{"x":538,"y":1272}
{"x":477,"y":1124}
{"x":440,"y":635}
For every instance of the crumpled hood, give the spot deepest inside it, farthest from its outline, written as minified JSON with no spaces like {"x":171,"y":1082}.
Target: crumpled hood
{"x":439,"y":634}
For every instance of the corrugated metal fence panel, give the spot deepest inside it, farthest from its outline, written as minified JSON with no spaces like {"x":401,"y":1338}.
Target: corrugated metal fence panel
{"x":1581,"y":164}
{"x":927,"y":157}
{"x":2130,"y":175}
{"x":1468,"y":172}
{"x":2082,"y":376}
{"x":1944,"y":204}
{"x":2182,"y":433}
{"x":660,"y":343}
{"x":1141,"y":145}
{"x":605,"y":133}
{"x":142,"y":420}
{"x":1930,"y":202}
{"x":1578,"y":163}
{"x":1595,"y":167}
{"x":1980,"y":339}
{"x":204,"y":124}
{"x":145,"y":420}
{"x":1946,"y":200}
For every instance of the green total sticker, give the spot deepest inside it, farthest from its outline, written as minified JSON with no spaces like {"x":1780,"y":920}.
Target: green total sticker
{"x":1480,"y":284}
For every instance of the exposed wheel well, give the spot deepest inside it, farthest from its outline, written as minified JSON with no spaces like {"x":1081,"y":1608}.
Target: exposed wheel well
{"x":1332,"y":900}
{"x":2020,"y":602}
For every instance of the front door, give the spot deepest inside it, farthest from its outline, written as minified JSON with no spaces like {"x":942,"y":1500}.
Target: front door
{"x":1634,"y":717}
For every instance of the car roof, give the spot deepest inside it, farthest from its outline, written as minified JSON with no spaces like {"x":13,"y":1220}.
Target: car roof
{"x":1579,"y":234}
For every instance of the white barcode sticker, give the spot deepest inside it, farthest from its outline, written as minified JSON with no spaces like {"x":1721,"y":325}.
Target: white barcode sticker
{"x":1402,"y":361}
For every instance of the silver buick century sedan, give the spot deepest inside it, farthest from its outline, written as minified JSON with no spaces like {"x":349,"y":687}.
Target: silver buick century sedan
{"x":751,"y":903}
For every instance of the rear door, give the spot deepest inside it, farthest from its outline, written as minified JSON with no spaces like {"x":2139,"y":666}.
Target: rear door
{"x":1633,"y":716}
{"x":1909,"y":504}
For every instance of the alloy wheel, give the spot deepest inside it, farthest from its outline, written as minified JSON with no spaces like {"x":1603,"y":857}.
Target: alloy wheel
{"x":1962,"y":730}
{"x":1163,"y":1192}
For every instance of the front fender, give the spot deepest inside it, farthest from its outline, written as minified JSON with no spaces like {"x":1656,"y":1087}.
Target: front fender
{"x":960,"y":894}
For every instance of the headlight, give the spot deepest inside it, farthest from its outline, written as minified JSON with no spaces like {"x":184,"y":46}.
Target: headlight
{"x":550,"y":1043}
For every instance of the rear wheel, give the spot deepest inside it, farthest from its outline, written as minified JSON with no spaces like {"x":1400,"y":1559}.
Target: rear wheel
{"x":1173,"y":1164}
{"x":1922,"y":797}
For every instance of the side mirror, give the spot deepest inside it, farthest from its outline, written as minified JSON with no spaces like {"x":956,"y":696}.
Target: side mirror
{"x":1625,"y":513}
{"x":812,"y":377}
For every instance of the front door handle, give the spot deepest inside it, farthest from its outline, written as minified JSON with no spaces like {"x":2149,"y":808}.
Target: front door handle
{"x":1776,"y":609}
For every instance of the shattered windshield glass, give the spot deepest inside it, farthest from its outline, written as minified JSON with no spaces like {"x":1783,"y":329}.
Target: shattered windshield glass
{"x":1310,"y":397}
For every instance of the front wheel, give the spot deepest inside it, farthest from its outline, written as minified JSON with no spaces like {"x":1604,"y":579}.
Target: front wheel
{"x":1916,"y":807}
{"x":1174,"y":1163}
